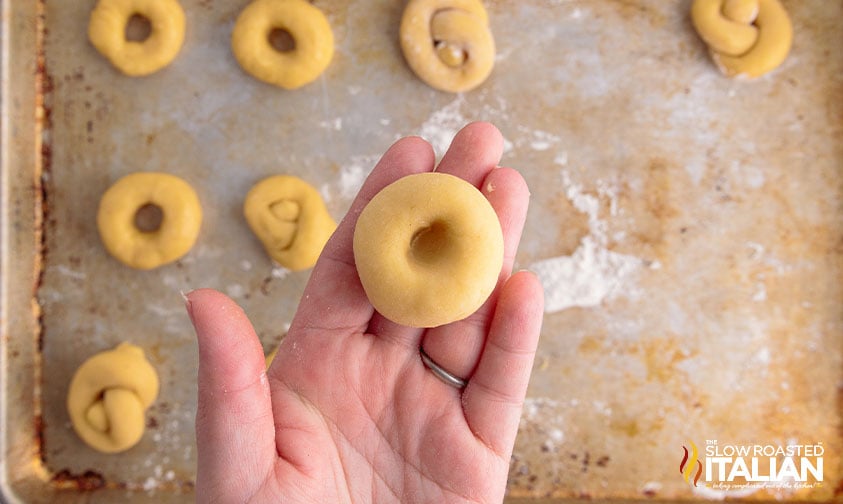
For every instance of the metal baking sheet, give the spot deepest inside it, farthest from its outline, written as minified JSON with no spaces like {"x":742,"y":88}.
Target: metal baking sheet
{"x":687,"y":227}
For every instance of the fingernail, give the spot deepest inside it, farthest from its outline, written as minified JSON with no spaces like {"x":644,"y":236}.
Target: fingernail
{"x":187,"y":304}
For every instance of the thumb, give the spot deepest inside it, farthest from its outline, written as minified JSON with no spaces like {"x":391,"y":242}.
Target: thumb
{"x":235,"y":433}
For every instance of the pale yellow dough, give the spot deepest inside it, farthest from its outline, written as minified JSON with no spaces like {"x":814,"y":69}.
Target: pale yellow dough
{"x":107,"y":33}
{"x":108,"y":396}
{"x":448,"y":43}
{"x":746,"y":38}
{"x":307,"y":25}
{"x":182,"y":218}
{"x":428,"y":249}
{"x":270,"y":357}
{"x":289,"y":217}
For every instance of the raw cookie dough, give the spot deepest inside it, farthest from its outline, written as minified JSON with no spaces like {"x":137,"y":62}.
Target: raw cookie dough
{"x":270,"y":357}
{"x":428,"y":249}
{"x":289,"y":217}
{"x":107,"y":32}
{"x":745,"y":37}
{"x":309,"y":29}
{"x":447,"y":43}
{"x":182,"y":218}
{"x":108,"y":396}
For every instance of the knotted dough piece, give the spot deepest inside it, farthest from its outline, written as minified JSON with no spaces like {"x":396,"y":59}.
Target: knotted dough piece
{"x":108,"y":396}
{"x":289,"y":217}
{"x":746,"y":37}
{"x":447,"y":43}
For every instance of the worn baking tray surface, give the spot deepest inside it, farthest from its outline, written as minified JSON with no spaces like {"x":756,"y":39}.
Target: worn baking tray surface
{"x":687,"y":227}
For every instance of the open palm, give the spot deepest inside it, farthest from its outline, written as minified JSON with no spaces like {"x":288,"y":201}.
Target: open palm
{"x":348,"y":412}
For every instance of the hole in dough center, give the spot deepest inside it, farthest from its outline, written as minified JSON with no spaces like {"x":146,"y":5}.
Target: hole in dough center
{"x":138,"y":28}
{"x":149,"y":217}
{"x":431,"y":244}
{"x":281,"y":40}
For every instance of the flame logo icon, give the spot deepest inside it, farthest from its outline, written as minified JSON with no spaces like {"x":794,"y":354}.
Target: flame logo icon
{"x":686,"y":467}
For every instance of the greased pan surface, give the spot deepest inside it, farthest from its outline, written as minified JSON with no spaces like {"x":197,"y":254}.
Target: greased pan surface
{"x":687,"y":227}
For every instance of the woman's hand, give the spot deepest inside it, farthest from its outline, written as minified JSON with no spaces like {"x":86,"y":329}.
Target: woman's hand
{"x":348,"y":412}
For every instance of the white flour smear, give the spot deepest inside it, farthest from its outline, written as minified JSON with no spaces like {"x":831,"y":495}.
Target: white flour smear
{"x":442,"y":125}
{"x":354,"y":174}
{"x":351,"y":178}
{"x":585,"y":278}
{"x":440,"y":128}
{"x":592,"y":273}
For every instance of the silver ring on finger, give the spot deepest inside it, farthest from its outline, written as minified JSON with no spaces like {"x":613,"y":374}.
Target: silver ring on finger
{"x":439,"y":372}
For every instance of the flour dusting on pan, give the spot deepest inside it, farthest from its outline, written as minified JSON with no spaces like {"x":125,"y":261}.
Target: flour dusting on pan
{"x":441,"y":127}
{"x":592,"y":273}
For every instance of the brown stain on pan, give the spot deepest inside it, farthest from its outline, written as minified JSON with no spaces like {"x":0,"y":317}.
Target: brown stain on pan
{"x":44,"y":86}
{"x":85,"y":482}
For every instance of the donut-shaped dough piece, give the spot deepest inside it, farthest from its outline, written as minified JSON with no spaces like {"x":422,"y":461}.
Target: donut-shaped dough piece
{"x":447,"y":43}
{"x":108,"y":396}
{"x":745,"y":37}
{"x":289,"y":217}
{"x":107,"y":33}
{"x":307,"y":25}
{"x":428,"y":249}
{"x":182,"y":218}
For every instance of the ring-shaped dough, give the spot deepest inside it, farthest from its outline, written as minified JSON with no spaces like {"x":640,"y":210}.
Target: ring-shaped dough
{"x":108,"y":396}
{"x":107,"y":33}
{"x":289,"y":217}
{"x":746,"y":37}
{"x":182,"y":218}
{"x":447,"y":43}
{"x":428,"y":250}
{"x":307,"y":25}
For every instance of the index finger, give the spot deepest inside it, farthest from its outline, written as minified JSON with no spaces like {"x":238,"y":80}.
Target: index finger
{"x":334,"y":298}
